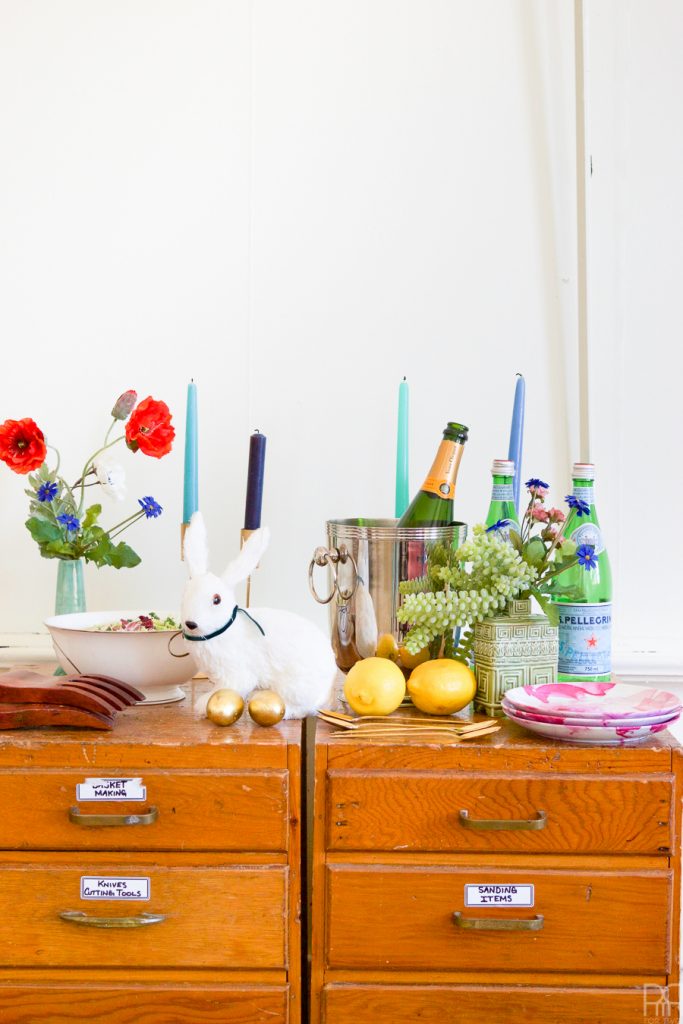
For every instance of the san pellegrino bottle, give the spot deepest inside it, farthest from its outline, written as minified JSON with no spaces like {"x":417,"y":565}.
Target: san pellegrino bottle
{"x":502,"y":509}
{"x":585,"y":595}
{"x":433,"y":503}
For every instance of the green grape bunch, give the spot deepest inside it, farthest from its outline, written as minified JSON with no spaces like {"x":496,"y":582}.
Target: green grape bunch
{"x":488,"y":573}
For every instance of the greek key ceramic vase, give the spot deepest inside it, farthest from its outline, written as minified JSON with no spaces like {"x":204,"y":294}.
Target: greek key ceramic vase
{"x":514,"y":649}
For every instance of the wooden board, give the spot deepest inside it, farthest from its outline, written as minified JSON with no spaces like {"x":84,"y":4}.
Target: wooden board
{"x":419,"y":811}
{"x":197,"y":810}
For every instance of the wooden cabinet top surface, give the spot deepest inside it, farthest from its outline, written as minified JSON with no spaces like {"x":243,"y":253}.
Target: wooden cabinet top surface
{"x":165,"y":735}
{"x":511,"y":749}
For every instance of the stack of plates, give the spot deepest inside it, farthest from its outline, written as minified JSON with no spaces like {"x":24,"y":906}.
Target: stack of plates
{"x":605,"y":714}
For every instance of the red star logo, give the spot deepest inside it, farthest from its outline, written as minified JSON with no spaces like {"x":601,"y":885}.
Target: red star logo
{"x":592,"y":641}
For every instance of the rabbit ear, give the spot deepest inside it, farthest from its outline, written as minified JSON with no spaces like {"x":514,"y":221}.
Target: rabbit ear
{"x":196,"y":546}
{"x":248,"y":558}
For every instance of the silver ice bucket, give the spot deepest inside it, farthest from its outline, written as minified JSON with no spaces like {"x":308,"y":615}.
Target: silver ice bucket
{"x":366,"y":559}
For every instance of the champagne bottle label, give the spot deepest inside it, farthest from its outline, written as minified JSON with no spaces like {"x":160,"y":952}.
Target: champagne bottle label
{"x":585,"y":634}
{"x":589,"y":533}
{"x":586,"y":494}
{"x":502,"y":492}
{"x":441,"y":478}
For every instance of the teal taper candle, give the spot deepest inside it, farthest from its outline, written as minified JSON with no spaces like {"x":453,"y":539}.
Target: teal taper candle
{"x":402,"y":482}
{"x":191,"y":482}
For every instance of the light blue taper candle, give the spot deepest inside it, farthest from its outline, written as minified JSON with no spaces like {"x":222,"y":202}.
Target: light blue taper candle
{"x":402,"y":483}
{"x":191,"y":482}
{"x":517,"y":435}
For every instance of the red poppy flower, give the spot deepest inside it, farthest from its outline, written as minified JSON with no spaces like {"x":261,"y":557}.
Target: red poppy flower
{"x":22,"y":445}
{"x":149,"y":428}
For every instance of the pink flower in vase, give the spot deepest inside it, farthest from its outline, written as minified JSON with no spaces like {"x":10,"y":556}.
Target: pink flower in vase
{"x":540,"y":514}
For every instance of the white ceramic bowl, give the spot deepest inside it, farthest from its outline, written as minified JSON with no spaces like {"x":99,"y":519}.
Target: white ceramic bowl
{"x":142,"y":659}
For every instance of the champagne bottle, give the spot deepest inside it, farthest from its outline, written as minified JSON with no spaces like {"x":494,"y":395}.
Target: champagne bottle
{"x":433,"y":503}
{"x":585,"y":595}
{"x":502,"y":511}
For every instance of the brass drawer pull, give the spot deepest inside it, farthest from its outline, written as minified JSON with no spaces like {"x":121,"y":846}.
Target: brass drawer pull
{"x":503,"y":824}
{"x":498,"y":924}
{"x":112,"y":820}
{"x":78,"y":917}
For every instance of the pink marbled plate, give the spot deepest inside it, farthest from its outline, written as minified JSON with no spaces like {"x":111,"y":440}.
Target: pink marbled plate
{"x":564,"y":718}
{"x":597,"y":735}
{"x":595,"y":700}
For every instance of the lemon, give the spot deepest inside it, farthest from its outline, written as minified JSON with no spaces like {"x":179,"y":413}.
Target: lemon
{"x":375,"y":686}
{"x":410,"y":661}
{"x":442,"y":686}
{"x":387,"y":647}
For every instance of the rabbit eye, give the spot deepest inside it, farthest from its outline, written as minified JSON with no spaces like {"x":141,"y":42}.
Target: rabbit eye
{"x":217,"y":599}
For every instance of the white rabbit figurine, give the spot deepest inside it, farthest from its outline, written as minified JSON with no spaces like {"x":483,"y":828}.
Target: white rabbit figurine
{"x":263,"y":648}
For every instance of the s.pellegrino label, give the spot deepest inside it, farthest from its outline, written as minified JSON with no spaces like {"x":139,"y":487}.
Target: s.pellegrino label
{"x":585,"y":635}
{"x":589,"y":533}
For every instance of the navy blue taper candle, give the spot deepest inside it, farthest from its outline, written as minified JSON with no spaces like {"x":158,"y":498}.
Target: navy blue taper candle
{"x":257,"y":461}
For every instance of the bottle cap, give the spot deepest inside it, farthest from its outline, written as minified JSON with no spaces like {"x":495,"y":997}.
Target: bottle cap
{"x":503,"y":467}
{"x":583,"y":471}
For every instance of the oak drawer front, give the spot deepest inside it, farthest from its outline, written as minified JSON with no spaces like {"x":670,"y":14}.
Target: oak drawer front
{"x":213,"y":916}
{"x":111,"y":1003}
{"x":475,"y":1004}
{"x":392,"y":917}
{"x":422,"y":811}
{"x":227,"y":811}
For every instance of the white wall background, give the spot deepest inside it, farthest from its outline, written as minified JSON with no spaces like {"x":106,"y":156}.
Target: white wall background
{"x":298,"y":202}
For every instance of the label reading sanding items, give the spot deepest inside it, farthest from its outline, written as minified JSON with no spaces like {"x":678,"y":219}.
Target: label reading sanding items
{"x":111,"y":789}
{"x":513,"y":895}
{"x":95,"y":887}
{"x":502,"y":492}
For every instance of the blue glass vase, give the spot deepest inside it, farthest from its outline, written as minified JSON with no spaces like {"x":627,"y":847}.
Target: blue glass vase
{"x":70,"y":595}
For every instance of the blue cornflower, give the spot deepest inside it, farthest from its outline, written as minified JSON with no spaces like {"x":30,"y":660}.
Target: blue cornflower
{"x":534,"y":482}
{"x":48,"y":491}
{"x":581,"y":507}
{"x":150,"y":507}
{"x":72,"y":524}
{"x":496,"y":526}
{"x":586,"y":556}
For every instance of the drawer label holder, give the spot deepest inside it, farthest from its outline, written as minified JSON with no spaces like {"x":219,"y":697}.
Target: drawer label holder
{"x":499,"y":895}
{"x":97,"y":887}
{"x":111,"y":789}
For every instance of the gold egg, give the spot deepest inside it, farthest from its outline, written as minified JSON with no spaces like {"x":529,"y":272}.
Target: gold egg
{"x":224,"y":707}
{"x":266,"y":707}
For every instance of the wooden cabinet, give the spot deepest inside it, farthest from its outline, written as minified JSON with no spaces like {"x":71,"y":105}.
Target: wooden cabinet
{"x":510,"y":879}
{"x":172,"y":898}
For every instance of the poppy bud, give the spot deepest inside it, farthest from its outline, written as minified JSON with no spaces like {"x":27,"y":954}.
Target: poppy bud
{"x":124,"y":405}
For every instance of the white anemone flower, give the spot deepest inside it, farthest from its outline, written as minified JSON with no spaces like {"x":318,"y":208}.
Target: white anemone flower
{"x":111,"y":477}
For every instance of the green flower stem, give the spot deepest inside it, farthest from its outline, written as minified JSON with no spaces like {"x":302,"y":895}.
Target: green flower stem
{"x":124,"y":524}
{"x":59,"y":458}
{"x":111,"y":427}
{"x":85,"y":470}
{"x":526,"y":519}
{"x":549,"y":575}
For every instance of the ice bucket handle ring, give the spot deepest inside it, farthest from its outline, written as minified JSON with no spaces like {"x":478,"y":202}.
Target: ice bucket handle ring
{"x":333,"y":557}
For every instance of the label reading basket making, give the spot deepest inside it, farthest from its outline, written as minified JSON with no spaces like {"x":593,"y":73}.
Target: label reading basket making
{"x":111,"y":789}
{"x":95,"y":887}
{"x":499,"y":895}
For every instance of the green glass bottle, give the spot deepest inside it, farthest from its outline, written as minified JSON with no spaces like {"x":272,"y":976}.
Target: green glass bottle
{"x":585,"y":595}
{"x":433,"y":503}
{"x":502,"y":511}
